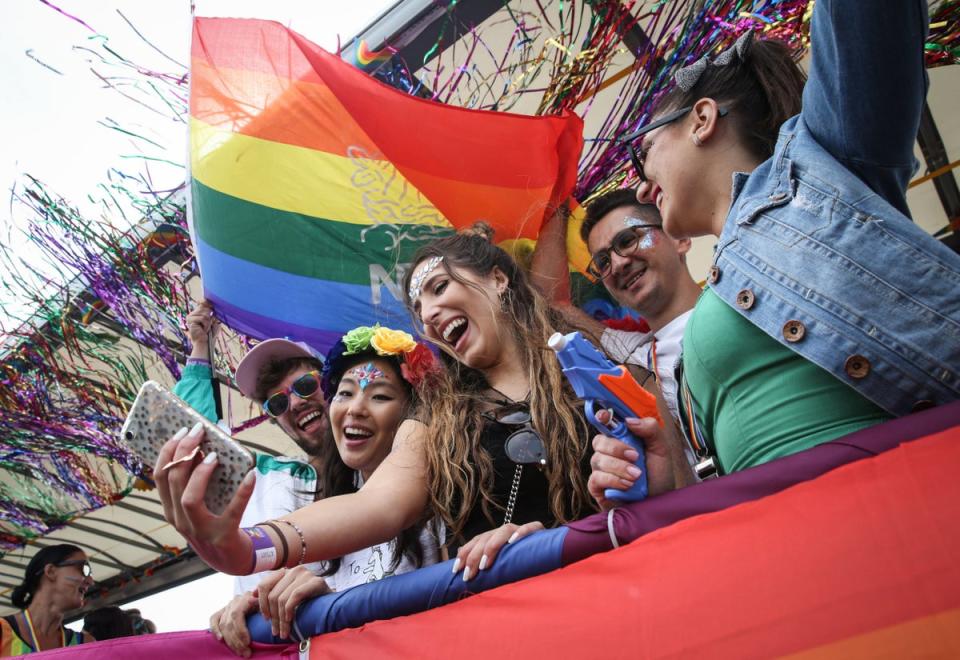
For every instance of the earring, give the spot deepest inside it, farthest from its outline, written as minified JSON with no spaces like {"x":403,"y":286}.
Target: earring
{"x":697,"y":142}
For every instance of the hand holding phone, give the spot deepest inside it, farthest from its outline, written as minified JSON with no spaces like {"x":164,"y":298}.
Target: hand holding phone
{"x":156,"y":416}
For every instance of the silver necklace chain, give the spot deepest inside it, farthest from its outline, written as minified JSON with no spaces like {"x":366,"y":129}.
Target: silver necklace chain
{"x":513,"y":494}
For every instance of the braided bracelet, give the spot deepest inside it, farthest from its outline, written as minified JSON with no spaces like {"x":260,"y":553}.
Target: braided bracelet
{"x":303,"y":540}
{"x":264,"y":551}
{"x":283,"y":542}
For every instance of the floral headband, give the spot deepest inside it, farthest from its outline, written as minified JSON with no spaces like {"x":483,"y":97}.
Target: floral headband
{"x":416,"y":360}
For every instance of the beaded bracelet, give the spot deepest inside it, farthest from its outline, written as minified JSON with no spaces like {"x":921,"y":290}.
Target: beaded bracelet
{"x":264,"y":552}
{"x":303,"y":540}
{"x":283,"y":542}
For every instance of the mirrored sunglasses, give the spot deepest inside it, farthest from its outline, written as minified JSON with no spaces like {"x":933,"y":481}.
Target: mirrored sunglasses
{"x":304,"y":387}
{"x":523,"y":446}
{"x":82,"y":563}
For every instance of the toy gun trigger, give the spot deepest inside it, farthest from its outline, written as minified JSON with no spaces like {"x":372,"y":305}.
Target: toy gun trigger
{"x":614,"y":428}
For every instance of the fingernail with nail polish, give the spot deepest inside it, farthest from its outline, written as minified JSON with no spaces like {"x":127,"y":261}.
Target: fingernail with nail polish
{"x":483,"y":563}
{"x":631,"y":455}
{"x":179,"y":434}
{"x":456,"y":566}
{"x":210,"y":458}
{"x":513,"y":537}
{"x":626,"y":483}
{"x":466,"y":574}
{"x":634,"y":471}
{"x":196,"y":428}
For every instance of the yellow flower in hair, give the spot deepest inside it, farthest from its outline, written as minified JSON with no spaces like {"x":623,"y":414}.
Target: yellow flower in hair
{"x":392,"y":342}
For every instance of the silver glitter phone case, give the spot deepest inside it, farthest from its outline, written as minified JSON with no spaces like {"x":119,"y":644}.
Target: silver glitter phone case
{"x":157,"y":414}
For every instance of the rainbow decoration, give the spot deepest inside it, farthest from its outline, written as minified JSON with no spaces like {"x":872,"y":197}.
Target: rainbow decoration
{"x":312,"y":183}
{"x":365,"y":58}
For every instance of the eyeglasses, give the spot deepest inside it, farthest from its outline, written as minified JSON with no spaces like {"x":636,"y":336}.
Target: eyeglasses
{"x":625,"y":243}
{"x":524,"y":446}
{"x":638,"y":157}
{"x":304,"y":387}
{"x":82,"y":563}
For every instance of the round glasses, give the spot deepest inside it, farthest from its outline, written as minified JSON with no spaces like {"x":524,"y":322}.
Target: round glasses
{"x":524,"y":446}
{"x":625,"y":243}
{"x":304,"y":387}
{"x":82,"y":563}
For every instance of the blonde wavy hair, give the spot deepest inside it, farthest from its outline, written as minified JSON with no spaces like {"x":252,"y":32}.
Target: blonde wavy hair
{"x":460,"y":471}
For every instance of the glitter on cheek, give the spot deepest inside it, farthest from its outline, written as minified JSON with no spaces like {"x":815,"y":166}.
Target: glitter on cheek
{"x":366,"y":374}
{"x":647,"y":241}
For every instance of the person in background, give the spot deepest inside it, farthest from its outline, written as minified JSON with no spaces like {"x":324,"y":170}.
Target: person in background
{"x":108,"y":623}
{"x":287,"y":372}
{"x":369,"y":381}
{"x":141,"y":626}
{"x":641,"y":267}
{"x":55,"y":582}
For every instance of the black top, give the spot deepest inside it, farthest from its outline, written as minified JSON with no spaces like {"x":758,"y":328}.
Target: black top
{"x":532,"y":501}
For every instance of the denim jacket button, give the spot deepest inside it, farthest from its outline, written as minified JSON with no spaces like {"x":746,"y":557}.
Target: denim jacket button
{"x":857,"y":366}
{"x":923,"y":404}
{"x":793,"y":331}
{"x":713,"y":275}
{"x":745,"y":299}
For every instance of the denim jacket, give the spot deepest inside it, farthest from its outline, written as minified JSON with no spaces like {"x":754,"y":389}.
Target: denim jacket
{"x":818,"y":249}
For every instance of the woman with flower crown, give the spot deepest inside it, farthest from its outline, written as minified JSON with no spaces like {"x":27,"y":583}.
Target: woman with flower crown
{"x":368,"y":383}
{"x":497,"y":448}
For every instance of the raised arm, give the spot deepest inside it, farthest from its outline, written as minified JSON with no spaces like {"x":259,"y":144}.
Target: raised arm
{"x":196,"y":382}
{"x":866,"y":88}
{"x":550,"y":272}
{"x":393,"y":499}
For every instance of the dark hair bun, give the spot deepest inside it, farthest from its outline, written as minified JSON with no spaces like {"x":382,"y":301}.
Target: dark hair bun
{"x":480,"y":228}
{"x":19,"y":597}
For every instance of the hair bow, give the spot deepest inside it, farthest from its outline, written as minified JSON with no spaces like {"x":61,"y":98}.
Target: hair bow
{"x":687,"y":76}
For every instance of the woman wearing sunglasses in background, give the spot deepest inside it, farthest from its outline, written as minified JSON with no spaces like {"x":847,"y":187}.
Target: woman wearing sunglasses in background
{"x":827,"y":309}
{"x":463,"y":455}
{"x":368,"y":382}
{"x":55,"y":583}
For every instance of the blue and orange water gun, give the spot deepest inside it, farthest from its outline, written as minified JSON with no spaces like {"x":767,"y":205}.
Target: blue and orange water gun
{"x":604,"y":385}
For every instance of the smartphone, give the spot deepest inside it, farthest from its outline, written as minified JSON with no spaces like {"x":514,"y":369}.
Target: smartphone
{"x":155,"y":417}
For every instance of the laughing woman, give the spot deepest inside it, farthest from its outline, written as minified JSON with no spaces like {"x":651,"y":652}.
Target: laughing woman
{"x":497,"y":448}
{"x":368,"y":383}
{"x":850,"y":311}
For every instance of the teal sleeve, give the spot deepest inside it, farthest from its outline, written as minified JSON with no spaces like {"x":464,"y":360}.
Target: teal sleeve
{"x":196,"y":388}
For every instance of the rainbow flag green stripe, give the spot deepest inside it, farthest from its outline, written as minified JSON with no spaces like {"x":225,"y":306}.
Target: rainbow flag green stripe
{"x":304,"y":245}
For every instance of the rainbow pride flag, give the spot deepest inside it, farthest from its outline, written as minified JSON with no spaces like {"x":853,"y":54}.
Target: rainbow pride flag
{"x":312,"y":183}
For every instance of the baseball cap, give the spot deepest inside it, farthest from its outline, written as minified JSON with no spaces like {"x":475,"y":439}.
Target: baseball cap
{"x":268,"y":351}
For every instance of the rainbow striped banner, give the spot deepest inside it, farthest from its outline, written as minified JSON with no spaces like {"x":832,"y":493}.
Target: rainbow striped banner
{"x":312,"y":183}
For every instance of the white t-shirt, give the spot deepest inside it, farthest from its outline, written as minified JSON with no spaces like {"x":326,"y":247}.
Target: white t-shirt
{"x":371,"y":564}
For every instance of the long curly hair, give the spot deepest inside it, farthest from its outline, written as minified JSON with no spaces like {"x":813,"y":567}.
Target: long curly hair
{"x":461,"y":473}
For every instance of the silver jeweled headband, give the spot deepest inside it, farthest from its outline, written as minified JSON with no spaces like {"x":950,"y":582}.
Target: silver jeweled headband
{"x":417,"y":281}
